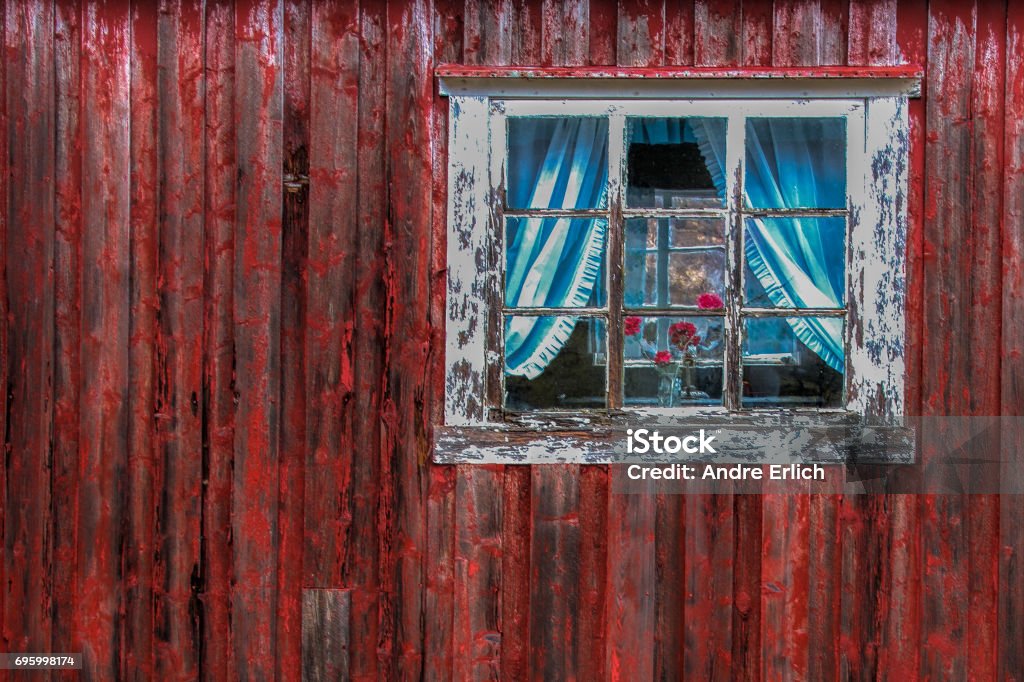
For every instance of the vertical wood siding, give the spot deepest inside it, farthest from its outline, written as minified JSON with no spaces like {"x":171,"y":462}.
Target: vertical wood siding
{"x":219,"y":390}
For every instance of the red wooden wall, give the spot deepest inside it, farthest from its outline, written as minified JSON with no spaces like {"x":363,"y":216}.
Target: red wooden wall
{"x":212,"y":402}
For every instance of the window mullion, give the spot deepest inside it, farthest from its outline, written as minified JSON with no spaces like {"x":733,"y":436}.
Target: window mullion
{"x":615,"y":257}
{"x":731,"y":368}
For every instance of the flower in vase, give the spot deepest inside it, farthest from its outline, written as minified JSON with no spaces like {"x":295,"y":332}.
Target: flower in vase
{"x":710,"y":301}
{"x":632,"y":325}
{"x":662,"y":358}
{"x":682,"y":333}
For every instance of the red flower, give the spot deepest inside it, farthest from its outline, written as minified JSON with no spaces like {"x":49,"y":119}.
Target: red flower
{"x":709,"y":301}
{"x":632,"y":325}
{"x":681,"y":333}
{"x":662,"y":358}
{"x":694,"y":339}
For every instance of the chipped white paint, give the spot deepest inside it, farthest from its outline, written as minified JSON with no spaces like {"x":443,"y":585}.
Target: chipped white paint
{"x":877,"y":283}
{"x":468,"y":244}
{"x":877,"y":181}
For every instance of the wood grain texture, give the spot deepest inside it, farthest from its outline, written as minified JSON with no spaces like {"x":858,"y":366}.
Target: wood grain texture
{"x":181,"y":117}
{"x":405,"y":415}
{"x":67,"y":311}
{"x":362,"y":566}
{"x":150,"y":611}
{"x":217,"y":392}
{"x":255,"y":532}
{"x":30,"y":300}
{"x":1010,"y":652}
{"x":326,"y":629}
{"x":218,"y":339}
{"x":103,"y":414}
{"x":294,"y":323}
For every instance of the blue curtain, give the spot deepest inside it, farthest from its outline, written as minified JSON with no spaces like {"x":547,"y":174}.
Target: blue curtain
{"x":552,"y":262}
{"x":800,"y":262}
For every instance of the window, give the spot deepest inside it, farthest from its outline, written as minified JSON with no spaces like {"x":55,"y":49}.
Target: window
{"x":626,"y":257}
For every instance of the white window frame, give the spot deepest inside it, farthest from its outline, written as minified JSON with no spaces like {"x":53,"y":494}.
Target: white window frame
{"x":876,"y":110}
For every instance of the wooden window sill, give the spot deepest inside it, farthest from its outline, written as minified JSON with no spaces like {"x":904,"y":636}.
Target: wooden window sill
{"x":754,"y":437}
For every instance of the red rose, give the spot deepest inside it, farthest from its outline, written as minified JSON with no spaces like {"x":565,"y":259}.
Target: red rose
{"x":709,"y":301}
{"x":681,"y":332}
{"x":632,"y":325}
{"x":662,"y":358}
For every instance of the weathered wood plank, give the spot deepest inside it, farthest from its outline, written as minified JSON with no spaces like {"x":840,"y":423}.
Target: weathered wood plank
{"x":554,"y":579}
{"x":477,"y":568}
{"x":709,"y":587}
{"x":4,"y":221}
{"x":947,"y":311}
{"x":797,"y":33}
{"x":30,"y":311}
{"x":669,"y":582}
{"x":326,"y":629}
{"x":333,"y":234}
{"x":406,"y":414}
{"x":294,"y":274}
{"x":823,"y":576}
{"x":834,"y":16}
{"x":592,"y":630}
{"x":717,"y":39}
{"x":872,"y":32}
{"x":148,"y":604}
{"x":442,"y":501}
{"x":218,"y":338}
{"x":757,"y":35}
{"x":67,"y":340}
{"x":679,"y":33}
{"x":641,"y":33}
{"x":361,"y":567}
{"x":103,"y":414}
{"x":987,"y":108}
{"x":1010,"y":620}
{"x":631,"y":586}
{"x":179,"y":402}
{"x":515,"y":572}
{"x":785,"y":564}
{"x":255,"y":531}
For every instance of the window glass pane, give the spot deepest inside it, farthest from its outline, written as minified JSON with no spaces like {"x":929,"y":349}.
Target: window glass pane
{"x":673,"y":361}
{"x":794,"y":262}
{"x":795,"y":163}
{"x":673,"y":261}
{"x":554,"y":363}
{"x":675,"y":163}
{"x":554,"y":262}
{"x":557,"y":162}
{"x":793,"y":362}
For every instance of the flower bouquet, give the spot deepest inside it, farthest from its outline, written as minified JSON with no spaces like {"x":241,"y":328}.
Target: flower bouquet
{"x":676,"y":364}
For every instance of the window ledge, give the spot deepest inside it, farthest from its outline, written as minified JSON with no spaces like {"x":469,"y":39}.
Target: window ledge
{"x":707,"y":82}
{"x":755,"y":437}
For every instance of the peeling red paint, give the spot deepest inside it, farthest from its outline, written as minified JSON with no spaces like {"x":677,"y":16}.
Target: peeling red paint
{"x":218,"y":393}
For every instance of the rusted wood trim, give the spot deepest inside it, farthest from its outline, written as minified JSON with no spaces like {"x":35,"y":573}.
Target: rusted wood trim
{"x":754,"y":86}
{"x":326,"y":616}
{"x":747,"y":442}
{"x":908,"y":71}
{"x":615,"y":256}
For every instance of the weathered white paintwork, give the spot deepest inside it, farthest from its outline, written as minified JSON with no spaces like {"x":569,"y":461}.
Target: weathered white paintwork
{"x":878,"y":133}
